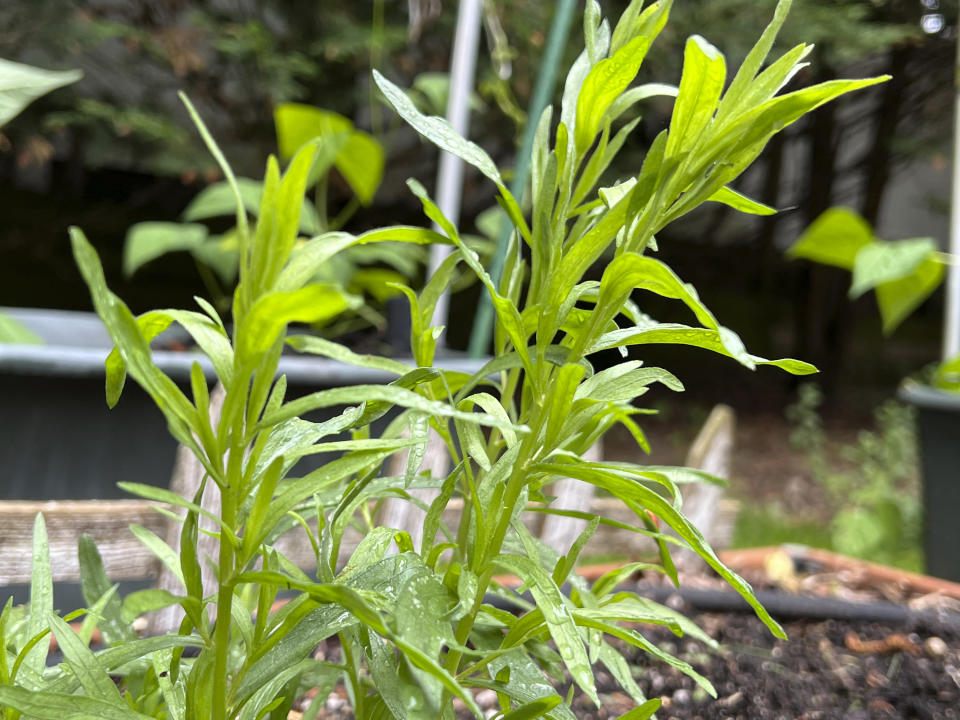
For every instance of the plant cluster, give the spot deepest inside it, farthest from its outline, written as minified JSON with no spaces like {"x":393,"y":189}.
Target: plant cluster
{"x":417,"y":627}
{"x":873,"y":483}
{"x":902,"y":273}
{"x":365,"y":274}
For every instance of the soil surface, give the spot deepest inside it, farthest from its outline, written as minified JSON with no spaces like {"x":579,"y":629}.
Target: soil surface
{"x":827,"y":670}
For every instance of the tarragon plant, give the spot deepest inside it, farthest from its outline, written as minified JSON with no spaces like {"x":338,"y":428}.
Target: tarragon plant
{"x":417,"y":629}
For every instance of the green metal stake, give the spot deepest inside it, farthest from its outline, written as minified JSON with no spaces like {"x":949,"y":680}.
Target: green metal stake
{"x":546,"y":81}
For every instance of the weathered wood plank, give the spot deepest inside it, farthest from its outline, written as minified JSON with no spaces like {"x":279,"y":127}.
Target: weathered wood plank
{"x":108,"y":521}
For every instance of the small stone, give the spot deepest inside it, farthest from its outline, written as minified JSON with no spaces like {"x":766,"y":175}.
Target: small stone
{"x":700,"y":695}
{"x":486,"y":698}
{"x":335,"y":702}
{"x":490,"y":712}
{"x":682,"y":696}
{"x":935,"y":647}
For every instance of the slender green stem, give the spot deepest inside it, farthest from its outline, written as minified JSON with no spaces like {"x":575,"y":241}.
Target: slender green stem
{"x":221,"y":639}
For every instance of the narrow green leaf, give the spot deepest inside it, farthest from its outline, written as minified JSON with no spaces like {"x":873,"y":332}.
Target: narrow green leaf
{"x":94,"y":585}
{"x":556,"y":614}
{"x":664,"y":510}
{"x":705,"y":338}
{"x":704,"y":73}
{"x":151,"y":492}
{"x":602,"y":85}
{"x":158,"y":547}
{"x":729,"y":196}
{"x":438,"y":130}
{"x":314,"y":345}
{"x":644,"y":711}
{"x":536,"y":708}
{"x":51,"y":706}
{"x":84,"y":664}
{"x":41,"y":596}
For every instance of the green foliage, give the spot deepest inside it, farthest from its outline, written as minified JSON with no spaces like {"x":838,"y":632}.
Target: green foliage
{"x":903,"y":273}
{"x":356,"y":271}
{"x":21,"y":84}
{"x":415,"y":627}
{"x":873,"y":484}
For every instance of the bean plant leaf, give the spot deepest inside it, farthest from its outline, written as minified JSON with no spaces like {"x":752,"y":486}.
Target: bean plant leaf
{"x":147,"y":241}
{"x":218,"y":200}
{"x":898,"y":298}
{"x":882,"y":262}
{"x":21,"y":84}
{"x":834,"y":238}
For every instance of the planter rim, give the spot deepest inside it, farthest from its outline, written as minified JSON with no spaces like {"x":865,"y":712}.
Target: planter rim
{"x":81,"y":351}
{"x":932,"y":398}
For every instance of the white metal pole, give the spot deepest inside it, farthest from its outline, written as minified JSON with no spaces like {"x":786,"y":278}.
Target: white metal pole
{"x":450,"y":174}
{"x":951,"y":319}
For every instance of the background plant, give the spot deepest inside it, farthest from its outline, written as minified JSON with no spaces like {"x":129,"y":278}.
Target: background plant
{"x":364,"y":274}
{"x":19,"y":86}
{"x":416,"y":628}
{"x":872,"y":483}
{"x":902,"y":273}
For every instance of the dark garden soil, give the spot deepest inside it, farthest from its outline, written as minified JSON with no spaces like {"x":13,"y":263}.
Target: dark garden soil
{"x":827,"y":670}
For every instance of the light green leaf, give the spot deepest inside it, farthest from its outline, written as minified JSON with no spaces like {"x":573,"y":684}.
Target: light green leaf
{"x":898,"y":298}
{"x":318,"y":346}
{"x":624,"y":382}
{"x":84,"y":664}
{"x":729,"y":196}
{"x":643,"y":712}
{"x":21,"y":84}
{"x":361,"y":164}
{"x":882,"y":262}
{"x":147,"y":241}
{"x":271,"y":313}
{"x":41,"y":596}
{"x":94,"y":585}
{"x":834,"y":238}
{"x":647,"y":498}
{"x":704,"y":73}
{"x":602,"y":85}
{"x":556,"y":614}
{"x":166,"y":554}
{"x":16,"y":333}
{"x":51,"y":706}
{"x":438,"y":130}
{"x":705,"y":338}
{"x":218,"y":200}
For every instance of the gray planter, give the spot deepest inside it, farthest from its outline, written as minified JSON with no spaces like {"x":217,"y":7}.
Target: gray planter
{"x":59,"y":440}
{"x":938,"y":416}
